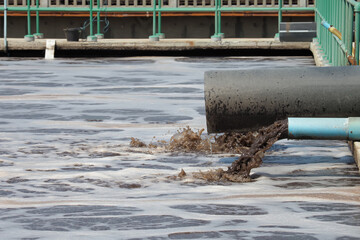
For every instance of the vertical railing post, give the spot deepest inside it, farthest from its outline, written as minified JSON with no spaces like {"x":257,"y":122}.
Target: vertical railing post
{"x":357,"y":34}
{"x":5,"y":27}
{"x":160,"y":34}
{"x":280,"y":14}
{"x":219,"y":20}
{"x":91,"y":18}
{"x":38,"y":34}
{"x":302,"y":3}
{"x":337,"y":40}
{"x":349,"y":15}
{"x":91,"y":37}
{"x":154,"y":36}
{"x":154,"y":17}
{"x":28,"y":37}
{"x":98,"y":35}
{"x":216,"y":17}
{"x":333,"y":44}
{"x":216,"y":37}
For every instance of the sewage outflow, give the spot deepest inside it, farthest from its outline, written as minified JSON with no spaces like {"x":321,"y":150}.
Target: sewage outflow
{"x":67,"y":169}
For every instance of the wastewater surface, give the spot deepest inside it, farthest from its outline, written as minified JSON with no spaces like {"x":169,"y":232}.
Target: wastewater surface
{"x":67,"y":170}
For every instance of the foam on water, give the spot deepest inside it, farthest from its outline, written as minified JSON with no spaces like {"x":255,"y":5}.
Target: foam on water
{"x":67,"y":170}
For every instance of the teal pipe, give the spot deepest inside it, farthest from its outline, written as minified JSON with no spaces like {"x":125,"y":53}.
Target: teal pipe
{"x":331,"y":29}
{"x":319,"y":129}
{"x":325,"y":24}
{"x":324,"y":128}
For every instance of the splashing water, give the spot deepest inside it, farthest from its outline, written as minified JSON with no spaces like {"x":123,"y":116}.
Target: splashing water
{"x":251,"y":146}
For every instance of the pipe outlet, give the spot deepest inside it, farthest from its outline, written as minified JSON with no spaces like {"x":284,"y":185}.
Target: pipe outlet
{"x":324,"y":128}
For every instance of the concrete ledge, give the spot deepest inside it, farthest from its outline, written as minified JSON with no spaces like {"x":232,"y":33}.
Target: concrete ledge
{"x":318,"y":55}
{"x":16,"y":44}
{"x":356,"y":153}
{"x":355,"y":149}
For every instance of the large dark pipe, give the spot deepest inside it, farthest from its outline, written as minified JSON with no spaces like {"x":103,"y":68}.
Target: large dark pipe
{"x":248,"y":99}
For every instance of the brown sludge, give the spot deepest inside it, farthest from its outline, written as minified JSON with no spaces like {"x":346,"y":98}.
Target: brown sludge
{"x":186,"y":140}
{"x":136,"y":143}
{"x":239,"y":171}
{"x":251,"y":146}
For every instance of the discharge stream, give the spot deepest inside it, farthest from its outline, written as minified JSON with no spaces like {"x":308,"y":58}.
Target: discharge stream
{"x":67,"y":170}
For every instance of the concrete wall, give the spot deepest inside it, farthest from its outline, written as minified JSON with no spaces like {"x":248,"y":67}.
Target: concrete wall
{"x":141,"y":27}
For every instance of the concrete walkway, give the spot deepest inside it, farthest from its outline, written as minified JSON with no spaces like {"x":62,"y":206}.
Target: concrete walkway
{"x":16,"y":44}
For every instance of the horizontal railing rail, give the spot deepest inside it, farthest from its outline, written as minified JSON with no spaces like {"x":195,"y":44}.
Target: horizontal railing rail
{"x":164,"y":3}
{"x":156,"y":7}
{"x":338,"y":21}
{"x":338,"y":31}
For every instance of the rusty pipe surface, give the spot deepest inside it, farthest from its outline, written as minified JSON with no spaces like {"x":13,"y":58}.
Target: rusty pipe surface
{"x":248,"y":99}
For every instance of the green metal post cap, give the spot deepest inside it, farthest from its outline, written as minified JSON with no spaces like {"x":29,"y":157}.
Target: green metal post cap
{"x":99,"y":36}
{"x":29,"y":38}
{"x":161,"y":35}
{"x":91,"y":39}
{"x":222,"y":35}
{"x":154,"y":38}
{"x":38,"y":35}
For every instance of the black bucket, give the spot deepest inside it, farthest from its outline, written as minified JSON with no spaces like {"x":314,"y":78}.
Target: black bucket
{"x":72,"y":34}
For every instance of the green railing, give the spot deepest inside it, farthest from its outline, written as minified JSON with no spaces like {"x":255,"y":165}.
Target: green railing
{"x":338,"y":31}
{"x":215,"y":6}
{"x":338,"y":21}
